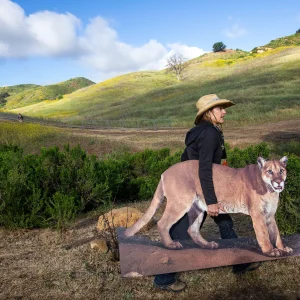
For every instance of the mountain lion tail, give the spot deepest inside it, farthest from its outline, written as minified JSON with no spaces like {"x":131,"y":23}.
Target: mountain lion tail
{"x":147,"y":216}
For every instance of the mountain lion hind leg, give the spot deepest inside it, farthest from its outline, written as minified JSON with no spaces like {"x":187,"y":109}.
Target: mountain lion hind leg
{"x":196,"y":215}
{"x":170,"y":216}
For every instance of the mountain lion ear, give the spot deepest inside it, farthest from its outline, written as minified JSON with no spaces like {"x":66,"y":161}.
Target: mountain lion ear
{"x":260,"y":161}
{"x":284,"y":160}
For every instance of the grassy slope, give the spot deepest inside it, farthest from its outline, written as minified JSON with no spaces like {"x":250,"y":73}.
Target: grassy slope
{"x":14,"y":89}
{"x":40,"y":93}
{"x":106,"y":98}
{"x":264,"y":86}
{"x":291,"y":40}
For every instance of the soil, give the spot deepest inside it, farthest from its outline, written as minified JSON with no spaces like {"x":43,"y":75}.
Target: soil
{"x":281,"y":131}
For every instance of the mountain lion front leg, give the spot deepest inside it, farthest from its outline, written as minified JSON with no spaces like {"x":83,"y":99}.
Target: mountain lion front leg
{"x":275,"y":236}
{"x":262,"y":234}
{"x":196,"y":215}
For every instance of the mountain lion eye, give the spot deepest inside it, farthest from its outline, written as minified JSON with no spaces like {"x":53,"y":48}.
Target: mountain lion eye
{"x":281,"y":171}
{"x":270,"y":172}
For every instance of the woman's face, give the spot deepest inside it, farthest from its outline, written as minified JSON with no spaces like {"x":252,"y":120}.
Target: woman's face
{"x":217,"y":115}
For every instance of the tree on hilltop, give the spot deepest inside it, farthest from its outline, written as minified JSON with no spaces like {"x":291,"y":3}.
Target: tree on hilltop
{"x":176,"y":64}
{"x":219,"y":46}
{"x":298,"y":31}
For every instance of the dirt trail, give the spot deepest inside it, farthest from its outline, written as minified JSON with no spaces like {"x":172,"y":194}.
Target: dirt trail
{"x":174,"y":138}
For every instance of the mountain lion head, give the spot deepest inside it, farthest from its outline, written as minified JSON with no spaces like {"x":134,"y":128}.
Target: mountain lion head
{"x":273,"y":172}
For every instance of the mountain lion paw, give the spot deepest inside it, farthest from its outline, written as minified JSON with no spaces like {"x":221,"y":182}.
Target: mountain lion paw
{"x":174,"y":245}
{"x":288,"y":251}
{"x":211,"y":245}
{"x":275,"y":252}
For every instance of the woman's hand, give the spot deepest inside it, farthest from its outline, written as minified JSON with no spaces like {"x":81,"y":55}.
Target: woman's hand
{"x":213,"y":210}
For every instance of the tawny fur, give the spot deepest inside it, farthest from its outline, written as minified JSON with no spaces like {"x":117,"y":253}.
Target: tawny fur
{"x":253,"y":190}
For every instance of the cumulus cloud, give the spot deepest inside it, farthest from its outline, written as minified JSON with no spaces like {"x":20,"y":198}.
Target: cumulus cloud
{"x":43,"y":33}
{"x":235,"y":31}
{"x":95,"y":45}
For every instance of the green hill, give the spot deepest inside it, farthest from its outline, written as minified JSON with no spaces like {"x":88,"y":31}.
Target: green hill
{"x":7,"y":91}
{"x":14,"y":89}
{"x":265,"y":87}
{"x":27,"y":96}
{"x":291,"y":40}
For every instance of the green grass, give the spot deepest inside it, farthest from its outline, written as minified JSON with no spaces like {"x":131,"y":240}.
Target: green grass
{"x":264,"y":86}
{"x":291,"y":40}
{"x":32,"y":137}
{"x":14,"y":89}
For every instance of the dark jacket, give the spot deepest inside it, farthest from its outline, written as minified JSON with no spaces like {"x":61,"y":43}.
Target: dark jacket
{"x":205,"y":143}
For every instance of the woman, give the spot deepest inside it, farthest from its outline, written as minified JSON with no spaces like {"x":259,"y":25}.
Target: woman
{"x":204,"y":142}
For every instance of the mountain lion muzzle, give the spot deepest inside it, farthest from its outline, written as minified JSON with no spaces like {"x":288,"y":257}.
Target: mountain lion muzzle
{"x":253,"y":190}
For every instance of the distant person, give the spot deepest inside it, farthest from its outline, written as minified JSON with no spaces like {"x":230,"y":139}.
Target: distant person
{"x":20,"y":118}
{"x":204,"y":142}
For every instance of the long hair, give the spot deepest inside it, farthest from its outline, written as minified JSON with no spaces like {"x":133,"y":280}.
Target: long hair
{"x":207,"y":117}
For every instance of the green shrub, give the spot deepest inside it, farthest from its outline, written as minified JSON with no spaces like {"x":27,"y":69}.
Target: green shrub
{"x":239,"y":158}
{"x":288,"y":212}
{"x":52,"y":188}
{"x":38,"y":189}
{"x":21,"y":200}
{"x":148,"y":167}
{"x":287,"y":147}
{"x":62,"y":210}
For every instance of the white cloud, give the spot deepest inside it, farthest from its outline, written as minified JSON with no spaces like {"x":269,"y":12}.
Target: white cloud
{"x":54,"y":34}
{"x":96,"y":45}
{"x":43,"y":33}
{"x":235,"y":31}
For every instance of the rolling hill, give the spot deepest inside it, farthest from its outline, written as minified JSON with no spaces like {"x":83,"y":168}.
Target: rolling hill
{"x":23,"y":95}
{"x":14,"y":89}
{"x":265,"y":87}
{"x":291,"y":40}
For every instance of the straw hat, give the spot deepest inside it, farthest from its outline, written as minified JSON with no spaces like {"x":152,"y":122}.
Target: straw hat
{"x":209,"y":101}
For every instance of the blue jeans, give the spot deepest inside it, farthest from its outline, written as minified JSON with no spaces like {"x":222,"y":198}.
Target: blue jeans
{"x":179,"y":231}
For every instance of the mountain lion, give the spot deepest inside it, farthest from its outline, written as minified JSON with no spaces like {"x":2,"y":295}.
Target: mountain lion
{"x":253,"y":190}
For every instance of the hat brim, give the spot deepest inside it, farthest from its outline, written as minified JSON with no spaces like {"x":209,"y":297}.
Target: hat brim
{"x":221,"y":102}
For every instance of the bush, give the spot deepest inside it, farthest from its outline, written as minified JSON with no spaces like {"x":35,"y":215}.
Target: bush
{"x":219,"y":46}
{"x":285,"y":148}
{"x":288,"y":212}
{"x":52,"y":188}
{"x":62,"y":210}
{"x":238,"y":158}
{"x":298,"y":31}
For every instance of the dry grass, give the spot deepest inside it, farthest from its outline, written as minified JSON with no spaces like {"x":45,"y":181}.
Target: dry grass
{"x":41,"y":264}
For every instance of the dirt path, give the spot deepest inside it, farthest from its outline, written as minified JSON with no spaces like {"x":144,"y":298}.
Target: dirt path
{"x":174,"y":138}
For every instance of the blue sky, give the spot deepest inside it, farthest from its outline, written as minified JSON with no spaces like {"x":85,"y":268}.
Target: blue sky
{"x":49,"y":41}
